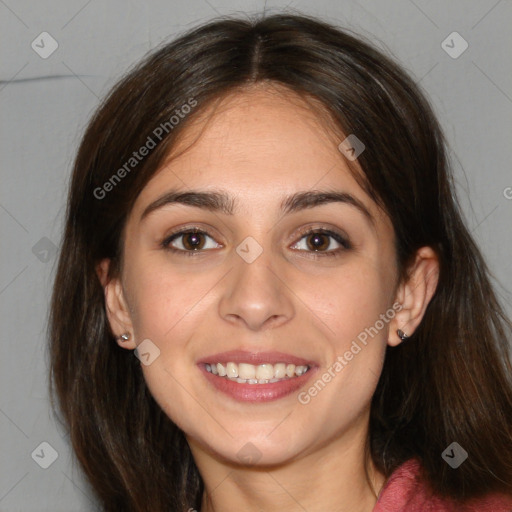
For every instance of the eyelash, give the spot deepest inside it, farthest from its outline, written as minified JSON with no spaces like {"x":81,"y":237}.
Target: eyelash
{"x":344,"y":242}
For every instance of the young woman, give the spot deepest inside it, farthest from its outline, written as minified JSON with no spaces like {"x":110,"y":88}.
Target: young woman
{"x":266,"y":297}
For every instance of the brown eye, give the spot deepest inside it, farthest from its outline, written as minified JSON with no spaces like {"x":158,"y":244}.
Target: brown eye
{"x":193,"y":241}
{"x":323,"y":242}
{"x":318,"y":242}
{"x":189,"y":242}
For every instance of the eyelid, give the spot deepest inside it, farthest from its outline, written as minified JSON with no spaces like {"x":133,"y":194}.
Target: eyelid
{"x":165,"y":243}
{"x":340,"y":238}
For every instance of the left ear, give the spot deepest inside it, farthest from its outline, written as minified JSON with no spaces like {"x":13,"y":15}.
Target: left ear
{"x":415,"y":294}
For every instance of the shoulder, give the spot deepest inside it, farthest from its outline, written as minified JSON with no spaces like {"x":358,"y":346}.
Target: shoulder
{"x":406,"y":492}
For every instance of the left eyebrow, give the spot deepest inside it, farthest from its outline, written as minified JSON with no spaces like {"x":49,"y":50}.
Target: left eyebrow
{"x":310,"y":199}
{"x":220,"y":201}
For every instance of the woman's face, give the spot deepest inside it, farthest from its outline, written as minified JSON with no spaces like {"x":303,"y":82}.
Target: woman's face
{"x":280,"y":272}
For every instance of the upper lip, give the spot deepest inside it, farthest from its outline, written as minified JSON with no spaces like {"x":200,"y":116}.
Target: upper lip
{"x":255,"y":358}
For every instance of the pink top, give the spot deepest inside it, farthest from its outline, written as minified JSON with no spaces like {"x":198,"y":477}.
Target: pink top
{"x":404,"y":492}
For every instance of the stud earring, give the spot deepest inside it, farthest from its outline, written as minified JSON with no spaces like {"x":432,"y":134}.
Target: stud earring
{"x":124,"y":337}
{"x":401,"y":334}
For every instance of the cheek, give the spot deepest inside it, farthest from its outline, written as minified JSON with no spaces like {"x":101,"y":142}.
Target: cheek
{"x":352,"y":304}
{"x":350,"y":301}
{"x":164,"y":299}
{"x":167,"y":305}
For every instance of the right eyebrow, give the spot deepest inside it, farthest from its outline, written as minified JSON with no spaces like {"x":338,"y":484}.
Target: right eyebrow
{"x":214,"y":201}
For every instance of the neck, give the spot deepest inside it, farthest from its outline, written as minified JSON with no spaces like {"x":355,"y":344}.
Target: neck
{"x":333,"y":477}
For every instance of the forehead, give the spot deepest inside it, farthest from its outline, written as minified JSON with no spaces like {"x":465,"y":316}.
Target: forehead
{"x":259,"y":144}
{"x":264,"y":127}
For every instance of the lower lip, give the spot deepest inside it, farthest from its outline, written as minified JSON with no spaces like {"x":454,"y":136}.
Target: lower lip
{"x":257,"y":392}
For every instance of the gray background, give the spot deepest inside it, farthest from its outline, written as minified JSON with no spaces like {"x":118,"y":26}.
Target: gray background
{"x":45,"y":104}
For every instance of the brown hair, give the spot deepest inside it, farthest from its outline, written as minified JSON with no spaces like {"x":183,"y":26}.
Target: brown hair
{"x":451,"y":381}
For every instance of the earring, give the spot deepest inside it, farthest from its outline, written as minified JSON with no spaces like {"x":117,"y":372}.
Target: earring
{"x":401,"y":334}
{"x":124,"y":337}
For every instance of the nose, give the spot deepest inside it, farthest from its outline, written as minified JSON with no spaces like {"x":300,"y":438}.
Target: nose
{"x":256,"y":295}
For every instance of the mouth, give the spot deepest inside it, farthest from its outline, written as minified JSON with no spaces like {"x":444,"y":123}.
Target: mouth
{"x":256,"y":376}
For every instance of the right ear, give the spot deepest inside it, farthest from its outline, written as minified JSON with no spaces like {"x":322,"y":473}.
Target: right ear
{"x":117,"y":310}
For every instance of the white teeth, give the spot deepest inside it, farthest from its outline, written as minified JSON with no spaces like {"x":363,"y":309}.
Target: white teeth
{"x":279,"y":370}
{"x":221,"y":370}
{"x":232,"y":370}
{"x":300,"y":370}
{"x":260,"y":374}
{"x":246,"y":371}
{"x":264,"y":371}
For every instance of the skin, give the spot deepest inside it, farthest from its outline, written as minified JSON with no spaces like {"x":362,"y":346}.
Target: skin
{"x":259,"y":146}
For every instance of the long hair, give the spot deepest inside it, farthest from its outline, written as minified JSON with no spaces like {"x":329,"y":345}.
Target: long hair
{"x":451,"y":381}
